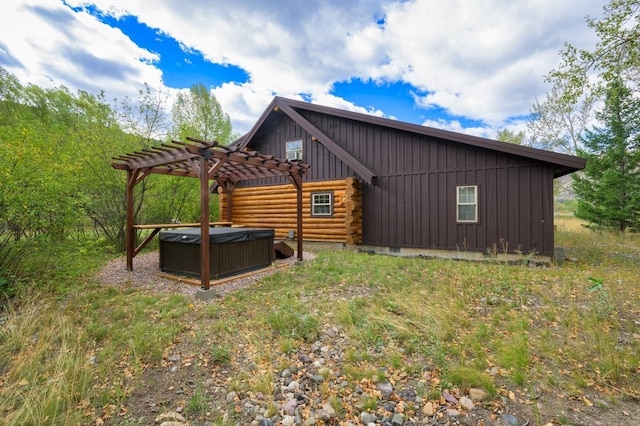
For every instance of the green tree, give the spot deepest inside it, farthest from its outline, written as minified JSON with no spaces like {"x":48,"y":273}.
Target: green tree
{"x":507,"y":135}
{"x":142,"y":123}
{"x":608,"y":189}
{"x":162,"y":198}
{"x":581,"y":79}
{"x":198,"y":114}
{"x":41,"y":191}
{"x":557,"y":123}
{"x":103,"y":187}
{"x":55,"y":155}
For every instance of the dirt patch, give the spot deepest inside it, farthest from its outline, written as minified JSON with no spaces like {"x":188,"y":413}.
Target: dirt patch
{"x":173,"y":386}
{"x":191,"y":383}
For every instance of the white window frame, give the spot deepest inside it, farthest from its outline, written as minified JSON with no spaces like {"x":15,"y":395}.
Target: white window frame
{"x":315,"y":203}
{"x":294,"y":150}
{"x":464,"y":203}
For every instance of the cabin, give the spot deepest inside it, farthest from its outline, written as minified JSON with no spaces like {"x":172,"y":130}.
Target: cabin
{"x":392,"y":187}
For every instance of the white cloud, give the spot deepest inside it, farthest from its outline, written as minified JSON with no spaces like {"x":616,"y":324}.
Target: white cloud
{"x":72,"y":49}
{"x":456,"y":126}
{"x":482,"y":60}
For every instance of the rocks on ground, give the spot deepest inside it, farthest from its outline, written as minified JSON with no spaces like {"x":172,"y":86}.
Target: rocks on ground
{"x":313,"y":389}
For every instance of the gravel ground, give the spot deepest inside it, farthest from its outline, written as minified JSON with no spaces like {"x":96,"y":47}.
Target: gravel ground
{"x":146,"y":270}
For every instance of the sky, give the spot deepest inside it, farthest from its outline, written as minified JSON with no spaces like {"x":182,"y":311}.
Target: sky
{"x":471,"y":66}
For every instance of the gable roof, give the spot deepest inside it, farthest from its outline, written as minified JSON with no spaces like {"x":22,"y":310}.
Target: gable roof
{"x":563,"y":164}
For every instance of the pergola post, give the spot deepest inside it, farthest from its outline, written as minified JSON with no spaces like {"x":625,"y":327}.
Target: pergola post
{"x":129,"y":232}
{"x":205,"y":267}
{"x":297,"y":182}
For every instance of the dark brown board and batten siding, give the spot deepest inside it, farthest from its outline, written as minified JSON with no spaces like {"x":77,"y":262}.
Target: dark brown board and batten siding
{"x":411,"y":202}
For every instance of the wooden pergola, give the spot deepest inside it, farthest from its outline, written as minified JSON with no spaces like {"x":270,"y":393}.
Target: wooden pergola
{"x":207,"y":161}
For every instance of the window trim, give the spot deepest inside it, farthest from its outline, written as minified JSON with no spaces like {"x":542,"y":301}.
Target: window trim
{"x":330,"y":203}
{"x":297,"y":152}
{"x":474,"y":204}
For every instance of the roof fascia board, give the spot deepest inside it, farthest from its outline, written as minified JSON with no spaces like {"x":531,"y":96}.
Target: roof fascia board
{"x":566,"y":160}
{"x":243,"y":141}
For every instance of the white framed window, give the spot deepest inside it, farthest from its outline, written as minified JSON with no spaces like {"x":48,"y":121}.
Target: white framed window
{"x":467,"y":204}
{"x":322,"y":204}
{"x":294,"y":150}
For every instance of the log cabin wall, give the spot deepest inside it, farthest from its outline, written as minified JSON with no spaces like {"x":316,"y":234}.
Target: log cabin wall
{"x":274,"y":206}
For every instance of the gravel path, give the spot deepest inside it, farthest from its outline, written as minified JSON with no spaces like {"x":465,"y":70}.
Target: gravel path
{"x":146,"y":270}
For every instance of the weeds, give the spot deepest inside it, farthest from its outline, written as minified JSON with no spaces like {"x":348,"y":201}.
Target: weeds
{"x":220,"y":354}
{"x":439,"y":324}
{"x":197,"y":404}
{"x":604,"y":308}
{"x":293,"y":322}
{"x":45,"y":360}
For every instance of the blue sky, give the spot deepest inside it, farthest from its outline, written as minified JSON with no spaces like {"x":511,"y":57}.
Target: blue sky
{"x":463,"y":65}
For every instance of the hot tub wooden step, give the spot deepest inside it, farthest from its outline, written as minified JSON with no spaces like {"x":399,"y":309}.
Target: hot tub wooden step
{"x":281,"y":250}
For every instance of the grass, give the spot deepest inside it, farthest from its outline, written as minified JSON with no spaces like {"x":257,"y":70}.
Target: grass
{"x":76,"y":351}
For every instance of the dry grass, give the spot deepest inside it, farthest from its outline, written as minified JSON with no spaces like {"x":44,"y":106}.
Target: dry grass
{"x":531,"y":327}
{"x":44,"y":358}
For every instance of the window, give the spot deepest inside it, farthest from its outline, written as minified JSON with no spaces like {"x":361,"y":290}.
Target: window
{"x":467,"y":204}
{"x":294,"y":150}
{"x":322,"y":204}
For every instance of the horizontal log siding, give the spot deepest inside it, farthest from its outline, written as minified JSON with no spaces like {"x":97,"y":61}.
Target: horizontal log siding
{"x":274,"y":206}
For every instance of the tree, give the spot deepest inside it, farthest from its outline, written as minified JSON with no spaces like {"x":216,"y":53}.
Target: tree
{"x":56,"y":149}
{"x":506,"y":135}
{"x":141,"y":123}
{"x":557,"y":124}
{"x":581,"y":80}
{"x":103,"y":187}
{"x":199,"y":114}
{"x":41,"y":190}
{"x":608,"y":190}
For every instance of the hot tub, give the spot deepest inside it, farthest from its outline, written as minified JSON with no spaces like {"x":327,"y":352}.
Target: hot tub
{"x":231,"y":251}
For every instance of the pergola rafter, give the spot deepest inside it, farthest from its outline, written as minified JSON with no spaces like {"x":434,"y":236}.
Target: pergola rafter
{"x":205,"y":160}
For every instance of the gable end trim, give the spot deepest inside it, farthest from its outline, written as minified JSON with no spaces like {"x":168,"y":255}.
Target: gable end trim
{"x":332,"y":146}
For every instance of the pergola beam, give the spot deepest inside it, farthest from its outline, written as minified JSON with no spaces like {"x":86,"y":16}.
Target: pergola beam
{"x":206,"y":161}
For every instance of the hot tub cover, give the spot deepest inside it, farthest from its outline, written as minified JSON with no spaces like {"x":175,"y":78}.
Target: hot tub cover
{"x":216,"y":235}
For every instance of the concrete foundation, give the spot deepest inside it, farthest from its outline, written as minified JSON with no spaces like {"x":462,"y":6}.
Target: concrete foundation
{"x":206,"y":294}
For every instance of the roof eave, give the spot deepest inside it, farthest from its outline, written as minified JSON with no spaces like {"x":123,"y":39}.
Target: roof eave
{"x":568,"y":163}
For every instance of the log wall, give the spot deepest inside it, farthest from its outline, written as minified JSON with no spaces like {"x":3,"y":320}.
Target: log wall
{"x":274,"y":206}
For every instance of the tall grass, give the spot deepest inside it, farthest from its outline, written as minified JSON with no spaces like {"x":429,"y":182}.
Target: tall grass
{"x":46,"y":373}
{"x":67,"y":354}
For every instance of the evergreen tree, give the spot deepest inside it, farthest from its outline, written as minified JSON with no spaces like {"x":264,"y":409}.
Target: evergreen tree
{"x":608,"y":189}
